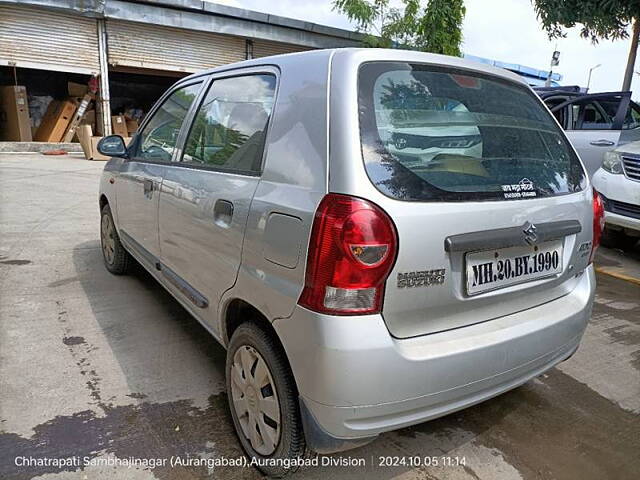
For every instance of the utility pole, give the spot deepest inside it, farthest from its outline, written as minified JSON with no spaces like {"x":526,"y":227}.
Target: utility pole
{"x":633,"y":52}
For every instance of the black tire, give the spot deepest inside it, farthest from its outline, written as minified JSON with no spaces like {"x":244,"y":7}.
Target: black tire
{"x":618,"y":239}
{"x":116,"y":258}
{"x":609,"y":238}
{"x":627,"y":242}
{"x":291,"y":443}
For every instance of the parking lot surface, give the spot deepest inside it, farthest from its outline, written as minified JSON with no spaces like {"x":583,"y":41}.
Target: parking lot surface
{"x":106,"y":368}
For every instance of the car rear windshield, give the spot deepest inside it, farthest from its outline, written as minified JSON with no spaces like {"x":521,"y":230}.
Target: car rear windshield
{"x":440,"y":134}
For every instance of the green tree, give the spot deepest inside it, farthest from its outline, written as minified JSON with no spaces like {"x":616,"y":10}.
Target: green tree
{"x":435,"y":28}
{"x":599,"y":19}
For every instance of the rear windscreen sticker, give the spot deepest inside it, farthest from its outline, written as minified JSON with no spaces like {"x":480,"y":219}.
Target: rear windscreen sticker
{"x":523,"y":189}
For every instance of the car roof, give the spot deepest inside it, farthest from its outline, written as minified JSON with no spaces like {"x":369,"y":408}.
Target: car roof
{"x":356,"y":56}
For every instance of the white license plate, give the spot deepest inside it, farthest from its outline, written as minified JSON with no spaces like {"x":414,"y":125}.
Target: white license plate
{"x":502,"y":267}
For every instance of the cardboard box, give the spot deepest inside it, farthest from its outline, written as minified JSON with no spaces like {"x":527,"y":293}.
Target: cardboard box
{"x":84,"y":134}
{"x":94,"y":154}
{"x":55,"y":122}
{"x":89,"y":143}
{"x":15,"y":124}
{"x":89,"y":118}
{"x":119,"y":125}
{"x":132,"y":126}
{"x":77,"y":89}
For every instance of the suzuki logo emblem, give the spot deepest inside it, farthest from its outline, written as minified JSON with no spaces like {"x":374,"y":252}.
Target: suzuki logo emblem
{"x":530,"y":235}
{"x":400,"y":143}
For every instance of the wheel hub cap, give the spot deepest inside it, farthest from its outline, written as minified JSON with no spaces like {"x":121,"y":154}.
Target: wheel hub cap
{"x":255,"y":400}
{"x":107,"y":239}
{"x":252,"y":398}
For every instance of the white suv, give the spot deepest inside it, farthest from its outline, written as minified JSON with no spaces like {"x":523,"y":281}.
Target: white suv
{"x":618,"y":182}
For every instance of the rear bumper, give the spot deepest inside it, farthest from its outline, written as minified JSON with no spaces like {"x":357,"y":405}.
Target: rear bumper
{"x":357,"y":381}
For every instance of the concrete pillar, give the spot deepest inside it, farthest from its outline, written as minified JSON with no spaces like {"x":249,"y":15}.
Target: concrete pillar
{"x":103,"y":102}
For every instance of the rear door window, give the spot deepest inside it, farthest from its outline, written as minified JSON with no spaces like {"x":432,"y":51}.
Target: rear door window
{"x":229,"y":130}
{"x":435,"y":134}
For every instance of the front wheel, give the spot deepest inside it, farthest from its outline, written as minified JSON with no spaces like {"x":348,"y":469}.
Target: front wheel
{"x":116,"y":258}
{"x":263,"y":400}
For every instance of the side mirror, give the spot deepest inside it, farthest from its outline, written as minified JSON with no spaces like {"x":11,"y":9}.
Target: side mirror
{"x":113,"y":146}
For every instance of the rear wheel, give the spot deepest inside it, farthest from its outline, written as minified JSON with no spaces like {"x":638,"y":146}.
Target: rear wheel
{"x":263,"y":399}
{"x":116,"y":258}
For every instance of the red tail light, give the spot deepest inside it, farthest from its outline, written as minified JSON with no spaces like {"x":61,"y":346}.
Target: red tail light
{"x":351,"y":252}
{"x":598,"y":223}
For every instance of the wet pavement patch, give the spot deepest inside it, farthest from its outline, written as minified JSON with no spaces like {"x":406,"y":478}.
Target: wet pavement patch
{"x":15,"y":262}
{"x":554,"y":428}
{"x":145,"y":431}
{"x":138,"y":396}
{"x":625,"y":334}
{"x":73,"y":340}
{"x":618,"y":293}
{"x":64,"y":281}
{"x":626,"y":295}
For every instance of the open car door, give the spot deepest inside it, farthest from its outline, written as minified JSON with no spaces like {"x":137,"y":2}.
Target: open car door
{"x":593,"y":122}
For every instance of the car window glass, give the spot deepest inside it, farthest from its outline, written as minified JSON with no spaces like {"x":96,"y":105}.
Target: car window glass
{"x":157,"y":141}
{"x":593,"y":117}
{"x":229,"y":129}
{"x":439,"y":134}
{"x":595,"y":114}
{"x":632,"y":119}
{"x":561,"y":114}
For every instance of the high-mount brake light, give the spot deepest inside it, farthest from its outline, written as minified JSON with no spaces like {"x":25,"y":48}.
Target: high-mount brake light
{"x":352,"y":249}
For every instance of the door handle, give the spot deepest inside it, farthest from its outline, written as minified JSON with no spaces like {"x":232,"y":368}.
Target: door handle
{"x":148,"y":186}
{"x":602,"y":143}
{"x":223,"y":213}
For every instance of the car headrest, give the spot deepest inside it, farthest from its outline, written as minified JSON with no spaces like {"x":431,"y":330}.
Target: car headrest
{"x":589,"y":115}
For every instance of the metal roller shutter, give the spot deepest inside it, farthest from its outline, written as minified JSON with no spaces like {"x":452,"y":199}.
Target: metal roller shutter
{"x":36,"y":38}
{"x":264,"y":48}
{"x":173,"y":49}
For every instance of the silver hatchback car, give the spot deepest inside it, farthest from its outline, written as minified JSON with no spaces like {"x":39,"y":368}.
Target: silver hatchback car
{"x":377,"y":237}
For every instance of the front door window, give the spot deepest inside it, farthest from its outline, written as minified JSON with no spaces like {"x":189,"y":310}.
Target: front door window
{"x":157,"y":141}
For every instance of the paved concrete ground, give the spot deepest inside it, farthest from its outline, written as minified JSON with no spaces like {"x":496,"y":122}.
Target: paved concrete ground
{"x":108,"y":368}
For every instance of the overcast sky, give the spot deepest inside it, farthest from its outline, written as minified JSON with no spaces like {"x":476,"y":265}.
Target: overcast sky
{"x":505,"y":30}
